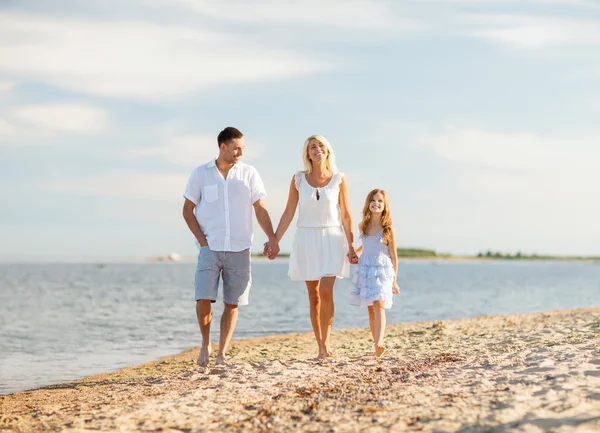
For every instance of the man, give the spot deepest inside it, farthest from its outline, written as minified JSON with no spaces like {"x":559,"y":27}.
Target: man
{"x":219,"y":198}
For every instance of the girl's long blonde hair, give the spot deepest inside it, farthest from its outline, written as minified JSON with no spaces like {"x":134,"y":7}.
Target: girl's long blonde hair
{"x":386,"y":218}
{"x":329,"y":163}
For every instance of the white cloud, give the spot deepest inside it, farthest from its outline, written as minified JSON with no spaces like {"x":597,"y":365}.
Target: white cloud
{"x":135,"y":185}
{"x":357,"y":14}
{"x":193,"y":150}
{"x":6,"y":129}
{"x":502,"y":150}
{"x":531,"y":32}
{"x":187,"y":150}
{"x":135,"y":60}
{"x":6,"y":86}
{"x":63,"y":117}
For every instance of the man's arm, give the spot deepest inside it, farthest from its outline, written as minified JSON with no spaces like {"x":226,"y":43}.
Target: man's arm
{"x":192,"y":222}
{"x":264,"y":221}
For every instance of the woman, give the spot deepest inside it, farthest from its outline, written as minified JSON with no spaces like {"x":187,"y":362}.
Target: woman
{"x":323,"y":239}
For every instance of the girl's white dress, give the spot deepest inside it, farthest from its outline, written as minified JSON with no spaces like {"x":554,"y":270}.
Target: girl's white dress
{"x":319,"y":248}
{"x":374,"y":277}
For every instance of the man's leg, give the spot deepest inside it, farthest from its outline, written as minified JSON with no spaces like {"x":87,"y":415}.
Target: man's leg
{"x":236,"y":287}
{"x":206,"y":285}
{"x":204,"y":314}
{"x":228,"y":322}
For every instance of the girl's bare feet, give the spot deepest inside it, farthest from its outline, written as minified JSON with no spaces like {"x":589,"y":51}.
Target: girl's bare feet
{"x":379,"y":351}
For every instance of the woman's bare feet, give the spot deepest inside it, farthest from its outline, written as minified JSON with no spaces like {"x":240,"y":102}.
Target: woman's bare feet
{"x":221,"y":360}
{"x":204,"y":356}
{"x":322,"y":353}
{"x":379,"y":351}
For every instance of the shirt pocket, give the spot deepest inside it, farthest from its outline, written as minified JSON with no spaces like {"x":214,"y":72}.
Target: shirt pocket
{"x":210,"y":193}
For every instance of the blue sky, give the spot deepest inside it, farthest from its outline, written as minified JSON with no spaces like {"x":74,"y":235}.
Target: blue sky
{"x":478,"y":117}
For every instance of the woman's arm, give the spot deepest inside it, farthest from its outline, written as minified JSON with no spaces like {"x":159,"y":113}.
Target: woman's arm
{"x":347,"y":218}
{"x":288,"y":213}
{"x":394,"y":256}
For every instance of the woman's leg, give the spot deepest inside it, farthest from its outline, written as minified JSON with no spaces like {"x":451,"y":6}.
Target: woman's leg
{"x":327,"y":310}
{"x":372,"y":321}
{"x":315,"y":312}
{"x":379,"y":327}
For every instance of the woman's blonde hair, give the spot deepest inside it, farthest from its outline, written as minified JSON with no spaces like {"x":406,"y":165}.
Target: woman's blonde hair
{"x":329,"y":163}
{"x":386,"y":218}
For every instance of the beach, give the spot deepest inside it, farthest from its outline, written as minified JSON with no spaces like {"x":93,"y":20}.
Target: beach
{"x":531,"y":373}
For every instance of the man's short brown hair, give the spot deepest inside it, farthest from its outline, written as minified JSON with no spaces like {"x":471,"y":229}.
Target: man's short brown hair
{"x":228,"y":134}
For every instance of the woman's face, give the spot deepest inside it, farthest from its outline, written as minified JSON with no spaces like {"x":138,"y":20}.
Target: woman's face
{"x":317,"y":151}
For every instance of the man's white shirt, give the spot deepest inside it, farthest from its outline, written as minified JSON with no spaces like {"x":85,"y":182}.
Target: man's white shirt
{"x":224,"y":206}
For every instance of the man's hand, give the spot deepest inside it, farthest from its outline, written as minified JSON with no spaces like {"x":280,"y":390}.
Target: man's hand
{"x":271,"y":249}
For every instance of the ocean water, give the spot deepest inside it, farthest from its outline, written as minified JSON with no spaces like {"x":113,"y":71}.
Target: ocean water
{"x":60,"y":322}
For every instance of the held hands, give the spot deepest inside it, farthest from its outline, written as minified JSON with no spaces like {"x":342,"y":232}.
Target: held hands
{"x":352,"y":256}
{"x":395,"y":288}
{"x":271,"y":249}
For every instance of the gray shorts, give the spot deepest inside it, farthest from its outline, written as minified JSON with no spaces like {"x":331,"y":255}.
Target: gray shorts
{"x":235,"y":268}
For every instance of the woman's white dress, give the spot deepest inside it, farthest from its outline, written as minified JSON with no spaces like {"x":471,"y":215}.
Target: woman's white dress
{"x":319,"y":248}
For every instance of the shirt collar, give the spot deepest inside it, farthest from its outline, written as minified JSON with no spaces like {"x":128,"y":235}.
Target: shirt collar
{"x":213,"y":163}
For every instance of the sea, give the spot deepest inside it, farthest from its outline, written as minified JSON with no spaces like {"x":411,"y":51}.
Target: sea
{"x":60,"y":322}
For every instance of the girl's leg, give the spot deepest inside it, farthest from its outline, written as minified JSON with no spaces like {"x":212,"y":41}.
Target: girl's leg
{"x":379,"y":327}
{"x":327,"y":310}
{"x":372,"y":321}
{"x":315,"y":312}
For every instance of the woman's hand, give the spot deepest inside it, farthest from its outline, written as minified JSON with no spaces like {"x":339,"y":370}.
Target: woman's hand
{"x":396,"y":288}
{"x":352,"y":256}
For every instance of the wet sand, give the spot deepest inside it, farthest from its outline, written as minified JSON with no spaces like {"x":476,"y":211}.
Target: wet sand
{"x":530,"y":373}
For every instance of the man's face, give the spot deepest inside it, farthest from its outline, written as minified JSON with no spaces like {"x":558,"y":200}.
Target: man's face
{"x":233,"y":150}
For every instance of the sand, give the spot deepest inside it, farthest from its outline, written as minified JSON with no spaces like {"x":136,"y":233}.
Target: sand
{"x":528,"y":373}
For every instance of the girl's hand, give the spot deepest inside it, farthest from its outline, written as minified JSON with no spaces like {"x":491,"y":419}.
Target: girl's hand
{"x":395,"y":288}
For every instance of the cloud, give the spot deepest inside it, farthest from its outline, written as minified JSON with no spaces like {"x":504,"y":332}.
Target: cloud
{"x":66,"y":117}
{"x":6,"y":86}
{"x":136,"y":60}
{"x":133,"y":185}
{"x":193,"y":150}
{"x":508,"y":150}
{"x":531,"y":32}
{"x":6,"y":129}
{"x":187,"y":150}
{"x":355,"y":14}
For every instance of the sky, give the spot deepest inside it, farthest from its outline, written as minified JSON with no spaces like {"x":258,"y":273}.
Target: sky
{"x":478,"y":117}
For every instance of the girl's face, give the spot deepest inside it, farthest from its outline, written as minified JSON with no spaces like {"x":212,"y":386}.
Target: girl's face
{"x":317,"y":151}
{"x":377,"y":204}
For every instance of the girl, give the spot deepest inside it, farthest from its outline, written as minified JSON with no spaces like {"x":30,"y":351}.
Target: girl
{"x":375,"y":278}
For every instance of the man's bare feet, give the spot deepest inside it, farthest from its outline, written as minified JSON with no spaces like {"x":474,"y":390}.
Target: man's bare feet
{"x":204,"y":356}
{"x":221,"y":360}
{"x":379,"y":351}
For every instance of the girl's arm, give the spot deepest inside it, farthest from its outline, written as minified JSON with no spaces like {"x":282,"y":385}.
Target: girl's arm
{"x":394,"y":256}
{"x":347,"y":218}
{"x":288,"y":213}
